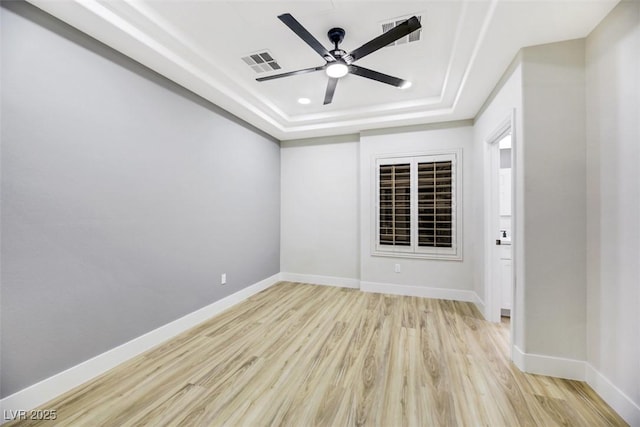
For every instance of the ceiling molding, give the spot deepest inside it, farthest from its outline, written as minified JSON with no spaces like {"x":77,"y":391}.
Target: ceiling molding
{"x":482,"y":42}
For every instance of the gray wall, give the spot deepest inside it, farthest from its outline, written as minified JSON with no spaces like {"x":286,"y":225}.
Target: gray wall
{"x":124,"y":197}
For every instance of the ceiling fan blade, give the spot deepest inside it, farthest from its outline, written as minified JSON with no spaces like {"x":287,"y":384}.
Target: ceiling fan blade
{"x":292,"y":73}
{"x":305,"y":35}
{"x":331,"y":88}
{"x":375,"y":75}
{"x":407,"y":27}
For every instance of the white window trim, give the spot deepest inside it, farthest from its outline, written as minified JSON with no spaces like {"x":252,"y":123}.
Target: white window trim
{"x":415,"y":251}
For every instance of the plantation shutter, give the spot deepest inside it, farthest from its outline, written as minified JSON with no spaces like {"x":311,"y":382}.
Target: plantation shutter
{"x":395,"y":204}
{"x":435,"y":210}
{"x":418,"y":206}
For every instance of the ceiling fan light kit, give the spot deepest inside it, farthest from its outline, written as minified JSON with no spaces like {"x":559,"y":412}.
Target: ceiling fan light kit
{"x":337,"y":70}
{"x":339,"y":63}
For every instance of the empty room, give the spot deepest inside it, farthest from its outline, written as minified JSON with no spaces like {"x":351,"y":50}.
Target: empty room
{"x":320,"y":213}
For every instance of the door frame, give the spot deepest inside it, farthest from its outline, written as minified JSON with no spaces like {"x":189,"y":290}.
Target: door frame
{"x":492,"y":225}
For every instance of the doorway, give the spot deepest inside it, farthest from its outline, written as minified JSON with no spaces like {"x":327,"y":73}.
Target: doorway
{"x":500,"y":221}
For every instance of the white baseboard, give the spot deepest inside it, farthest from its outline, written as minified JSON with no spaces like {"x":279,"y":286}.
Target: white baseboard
{"x":341,"y":282}
{"x":517,"y":357}
{"x":481,"y":306}
{"x":42,"y":392}
{"x":387,"y":288}
{"x":420,"y":291}
{"x":581,"y":371}
{"x":551,"y":366}
{"x":616,"y":398}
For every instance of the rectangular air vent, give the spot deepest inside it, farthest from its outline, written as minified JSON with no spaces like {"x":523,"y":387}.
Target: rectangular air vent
{"x":261,"y":62}
{"x":413,"y":37}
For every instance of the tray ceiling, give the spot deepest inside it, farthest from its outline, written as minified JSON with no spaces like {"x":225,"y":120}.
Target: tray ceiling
{"x":464,"y":48}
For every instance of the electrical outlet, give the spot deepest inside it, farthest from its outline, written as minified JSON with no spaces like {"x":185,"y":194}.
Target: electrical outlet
{"x":397,"y":268}
{"x":223,"y":279}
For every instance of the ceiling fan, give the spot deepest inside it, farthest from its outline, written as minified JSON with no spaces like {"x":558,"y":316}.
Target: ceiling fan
{"x":339,"y":63}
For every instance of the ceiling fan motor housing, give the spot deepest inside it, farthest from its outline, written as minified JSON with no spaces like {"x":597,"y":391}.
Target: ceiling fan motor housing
{"x":336,"y":35}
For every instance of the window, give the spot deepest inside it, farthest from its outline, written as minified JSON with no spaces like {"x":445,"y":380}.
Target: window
{"x":417,"y":210}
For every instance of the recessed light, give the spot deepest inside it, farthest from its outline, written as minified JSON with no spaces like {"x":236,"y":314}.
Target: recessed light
{"x":405,"y":85}
{"x":304,"y":101}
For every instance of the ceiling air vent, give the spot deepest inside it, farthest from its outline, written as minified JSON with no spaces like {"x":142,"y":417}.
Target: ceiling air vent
{"x":261,"y":62}
{"x":413,"y":37}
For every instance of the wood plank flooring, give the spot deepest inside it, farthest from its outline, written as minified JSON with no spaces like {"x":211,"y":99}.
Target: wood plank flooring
{"x":303,"y":355}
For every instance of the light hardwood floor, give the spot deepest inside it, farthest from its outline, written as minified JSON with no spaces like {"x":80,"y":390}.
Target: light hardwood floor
{"x":304,"y":355}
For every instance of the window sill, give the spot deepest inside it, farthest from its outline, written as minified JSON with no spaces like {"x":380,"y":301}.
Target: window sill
{"x":413,"y":255}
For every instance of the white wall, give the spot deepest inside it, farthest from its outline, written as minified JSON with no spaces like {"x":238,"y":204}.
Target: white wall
{"x":450,"y":275}
{"x":576,"y":147}
{"x":505,"y":101}
{"x":576,"y":304}
{"x":326,"y":212}
{"x":613,"y":206}
{"x":319,"y":214}
{"x":545,"y":85}
{"x":554,"y":155}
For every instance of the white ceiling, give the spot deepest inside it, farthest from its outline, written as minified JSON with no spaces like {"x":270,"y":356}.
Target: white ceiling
{"x":465,"y":47}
